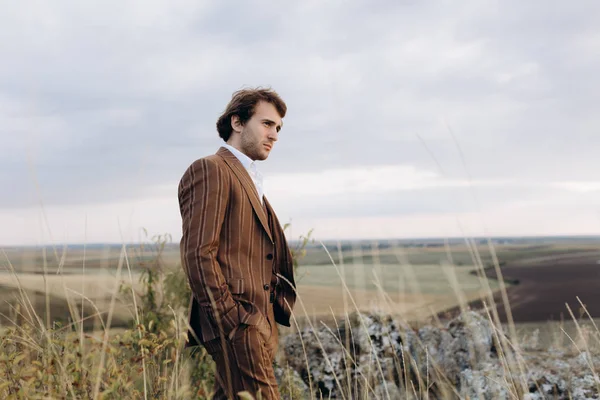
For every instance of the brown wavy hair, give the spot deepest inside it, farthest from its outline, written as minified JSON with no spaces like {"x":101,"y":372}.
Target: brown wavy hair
{"x":243,"y":103}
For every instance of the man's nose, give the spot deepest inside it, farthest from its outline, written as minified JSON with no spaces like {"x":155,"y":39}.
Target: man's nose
{"x":273,"y":134}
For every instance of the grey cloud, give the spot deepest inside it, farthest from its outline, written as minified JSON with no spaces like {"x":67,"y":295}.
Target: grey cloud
{"x":435,"y":200}
{"x":360,"y":83}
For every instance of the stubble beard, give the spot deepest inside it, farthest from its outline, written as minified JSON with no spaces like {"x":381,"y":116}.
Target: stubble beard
{"x":251,"y":148}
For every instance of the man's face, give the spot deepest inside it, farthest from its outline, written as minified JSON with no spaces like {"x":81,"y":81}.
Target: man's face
{"x":260,"y":132}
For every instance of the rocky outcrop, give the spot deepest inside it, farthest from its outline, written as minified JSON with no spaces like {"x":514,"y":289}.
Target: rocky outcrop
{"x":376,"y":356}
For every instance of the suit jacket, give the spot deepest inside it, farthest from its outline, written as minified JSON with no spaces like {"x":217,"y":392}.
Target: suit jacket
{"x":228,"y":251}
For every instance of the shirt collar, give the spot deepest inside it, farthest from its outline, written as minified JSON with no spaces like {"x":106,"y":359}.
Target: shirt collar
{"x":246,"y":161}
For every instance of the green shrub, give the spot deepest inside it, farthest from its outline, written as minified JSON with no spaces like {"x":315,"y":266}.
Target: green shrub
{"x":148,"y":360}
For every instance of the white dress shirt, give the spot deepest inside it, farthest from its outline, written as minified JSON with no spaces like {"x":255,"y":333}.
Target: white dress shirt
{"x":250,"y":166}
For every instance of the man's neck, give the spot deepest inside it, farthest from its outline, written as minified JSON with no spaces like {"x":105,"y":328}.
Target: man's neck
{"x":238,"y":153}
{"x":235,"y":145}
{"x":238,"y":147}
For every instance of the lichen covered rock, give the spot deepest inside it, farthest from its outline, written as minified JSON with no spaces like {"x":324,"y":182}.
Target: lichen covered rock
{"x":382,"y":357}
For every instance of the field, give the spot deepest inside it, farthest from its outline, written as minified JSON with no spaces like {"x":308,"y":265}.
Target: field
{"x":57,"y":283}
{"x":412,"y":291}
{"x":412,"y":279}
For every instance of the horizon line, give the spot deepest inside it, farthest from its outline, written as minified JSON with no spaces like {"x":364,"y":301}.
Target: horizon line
{"x":389,"y":239}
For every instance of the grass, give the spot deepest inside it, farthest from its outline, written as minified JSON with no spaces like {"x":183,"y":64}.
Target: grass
{"x":42,"y":357}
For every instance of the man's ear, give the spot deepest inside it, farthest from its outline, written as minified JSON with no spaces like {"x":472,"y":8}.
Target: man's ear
{"x":236,"y":124}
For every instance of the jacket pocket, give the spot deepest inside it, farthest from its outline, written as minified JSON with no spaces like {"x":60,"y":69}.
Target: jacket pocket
{"x":236,"y":286}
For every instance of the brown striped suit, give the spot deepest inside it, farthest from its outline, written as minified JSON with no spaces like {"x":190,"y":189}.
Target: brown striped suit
{"x":232,"y":249}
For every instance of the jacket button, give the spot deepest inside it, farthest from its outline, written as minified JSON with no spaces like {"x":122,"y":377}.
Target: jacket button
{"x":266,"y":287}
{"x":269,"y":256}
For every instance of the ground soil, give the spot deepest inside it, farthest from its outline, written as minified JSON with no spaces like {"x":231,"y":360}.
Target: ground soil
{"x":543,"y":287}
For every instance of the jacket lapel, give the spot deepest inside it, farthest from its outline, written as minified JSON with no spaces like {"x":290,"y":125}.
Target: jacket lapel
{"x":248,"y":185}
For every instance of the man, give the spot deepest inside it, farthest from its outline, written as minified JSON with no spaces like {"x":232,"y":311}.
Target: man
{"x":234,"y":250}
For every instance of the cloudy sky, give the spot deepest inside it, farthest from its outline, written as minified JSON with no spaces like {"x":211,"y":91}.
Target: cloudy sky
{"x":406,"y":118}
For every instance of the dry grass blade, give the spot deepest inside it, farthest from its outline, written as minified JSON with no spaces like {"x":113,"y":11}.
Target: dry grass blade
{"x":26,"y":337}
{"x":314,"y":331}
{"x":359,"y":314}
{"x":26,"y":301}
{"x":588,"y":356}
{"x":345,"y":350}
{"x":90,"y":301}
{"x":507,"y":346}
{"x":590,"y":318}
{"x":108,"y":323}
{"x":137,"y":320}
{"x":310,"y":386}
{"x":445,"y":384}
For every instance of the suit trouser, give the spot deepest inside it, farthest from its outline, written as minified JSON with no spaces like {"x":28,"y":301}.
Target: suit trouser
{"x":245,"y":363}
